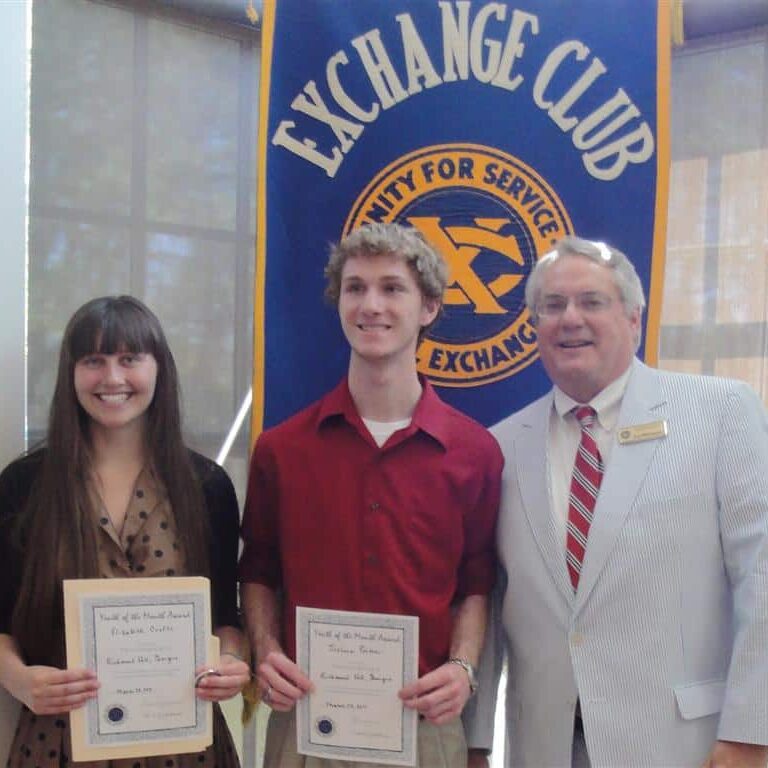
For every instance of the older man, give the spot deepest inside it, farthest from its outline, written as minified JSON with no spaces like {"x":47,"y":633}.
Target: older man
{"x":633,"y":534}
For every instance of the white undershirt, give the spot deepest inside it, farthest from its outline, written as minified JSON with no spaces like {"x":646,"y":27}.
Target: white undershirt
{"x":381,"y":431}
{"x":565,"y":435}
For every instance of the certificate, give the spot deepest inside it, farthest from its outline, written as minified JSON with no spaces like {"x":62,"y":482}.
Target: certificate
{"x":358,"y":662}
{"x":144,"y":639}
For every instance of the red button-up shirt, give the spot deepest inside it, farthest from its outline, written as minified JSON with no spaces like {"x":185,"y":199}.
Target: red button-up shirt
{"x":337,"y":522}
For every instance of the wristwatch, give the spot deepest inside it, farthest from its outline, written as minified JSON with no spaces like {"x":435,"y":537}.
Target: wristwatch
{"x":470,"y":670}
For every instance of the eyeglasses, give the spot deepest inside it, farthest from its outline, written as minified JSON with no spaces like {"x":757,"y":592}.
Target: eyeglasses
{"x":588,"y":303}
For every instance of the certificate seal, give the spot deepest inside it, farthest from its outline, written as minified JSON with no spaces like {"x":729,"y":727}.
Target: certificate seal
{"x":324,"y":726}
{"x":115,"y":714}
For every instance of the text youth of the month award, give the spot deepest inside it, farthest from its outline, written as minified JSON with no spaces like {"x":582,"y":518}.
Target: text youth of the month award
{"x":144,"y":639}
{"x":358,"y":662}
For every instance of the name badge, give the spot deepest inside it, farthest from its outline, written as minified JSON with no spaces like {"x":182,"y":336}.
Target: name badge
{"x":639,"y":433}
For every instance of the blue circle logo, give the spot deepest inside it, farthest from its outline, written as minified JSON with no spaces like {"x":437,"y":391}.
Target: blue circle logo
{"x":492,"y":217}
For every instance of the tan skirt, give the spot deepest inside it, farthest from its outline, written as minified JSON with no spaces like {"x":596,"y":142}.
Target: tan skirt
{"x":439,"y":746}
{"x":42,"y":741}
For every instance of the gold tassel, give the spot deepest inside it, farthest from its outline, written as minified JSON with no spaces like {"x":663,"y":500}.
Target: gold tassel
{"x":251,"y":12}
{"x":676,"y":18}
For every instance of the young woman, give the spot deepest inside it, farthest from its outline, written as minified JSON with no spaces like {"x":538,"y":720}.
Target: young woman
{"x":113,"y":493}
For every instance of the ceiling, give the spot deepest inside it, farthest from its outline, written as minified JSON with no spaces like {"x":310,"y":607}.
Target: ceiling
{"x":229,"y":11}
{"x":701,"y":18}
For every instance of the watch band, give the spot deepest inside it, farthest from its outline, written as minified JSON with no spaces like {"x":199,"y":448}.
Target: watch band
{"x":470,"y":670}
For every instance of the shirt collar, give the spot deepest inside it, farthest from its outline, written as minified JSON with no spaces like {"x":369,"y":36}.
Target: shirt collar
{"x":606,"y":402}
{"x":429,"y":416}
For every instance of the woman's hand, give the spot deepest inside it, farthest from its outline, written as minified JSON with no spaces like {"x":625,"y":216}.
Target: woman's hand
{"x":51,"y":691}
{"x":225,"y":681}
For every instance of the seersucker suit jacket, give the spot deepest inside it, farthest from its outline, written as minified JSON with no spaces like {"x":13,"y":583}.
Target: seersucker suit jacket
{"x":665,"y":643}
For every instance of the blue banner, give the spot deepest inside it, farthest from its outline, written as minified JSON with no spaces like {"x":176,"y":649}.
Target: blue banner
{"x":495,"y":128}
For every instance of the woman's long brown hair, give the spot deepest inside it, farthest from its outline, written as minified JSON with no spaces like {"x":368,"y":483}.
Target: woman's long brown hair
{"x":57,"y":526}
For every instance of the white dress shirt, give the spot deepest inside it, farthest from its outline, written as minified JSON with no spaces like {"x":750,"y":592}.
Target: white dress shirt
{"x":565,"y":435}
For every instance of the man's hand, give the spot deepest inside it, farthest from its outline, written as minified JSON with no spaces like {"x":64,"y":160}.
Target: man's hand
{"x":52,"y":691}
{"x":282,"y":682}
{"x":477,"y":758}
{"x":440,"y":695}
{"x":734,"y":754}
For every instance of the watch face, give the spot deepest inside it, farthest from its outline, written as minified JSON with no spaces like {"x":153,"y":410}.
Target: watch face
{"x":472,"y":679}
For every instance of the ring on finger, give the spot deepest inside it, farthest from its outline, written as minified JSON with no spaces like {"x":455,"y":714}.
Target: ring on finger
{"x":208,"y":672}
{"x":266,"y":697}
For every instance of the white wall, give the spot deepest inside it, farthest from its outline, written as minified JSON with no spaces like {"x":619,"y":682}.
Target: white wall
{"x":14,"y":52}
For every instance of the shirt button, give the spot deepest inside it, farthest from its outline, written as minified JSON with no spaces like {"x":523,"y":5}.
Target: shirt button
{"x":577,"y":639}
{"x":375,"y":507}
{"x":372,"y":560}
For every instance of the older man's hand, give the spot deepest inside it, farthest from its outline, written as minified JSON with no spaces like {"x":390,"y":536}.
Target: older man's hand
{"x":734,"y":754}
{"x":477,"y":758}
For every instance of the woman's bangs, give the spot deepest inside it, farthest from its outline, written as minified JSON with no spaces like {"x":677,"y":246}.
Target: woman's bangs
{"x":112,"y":332}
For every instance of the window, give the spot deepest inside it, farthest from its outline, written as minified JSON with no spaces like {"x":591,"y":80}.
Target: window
{"x":715,"y":310}
{"x":142,"y":181}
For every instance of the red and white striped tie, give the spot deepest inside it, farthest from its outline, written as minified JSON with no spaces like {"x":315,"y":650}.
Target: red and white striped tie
{"x":585,"y":485}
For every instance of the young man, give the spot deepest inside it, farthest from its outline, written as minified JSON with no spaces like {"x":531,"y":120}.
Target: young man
{"x":634,"y":536}
{"x":379,"y":497}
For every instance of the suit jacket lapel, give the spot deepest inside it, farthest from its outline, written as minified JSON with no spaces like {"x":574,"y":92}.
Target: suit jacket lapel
{"x":532,"y":464}
{"x":642,"y":402}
